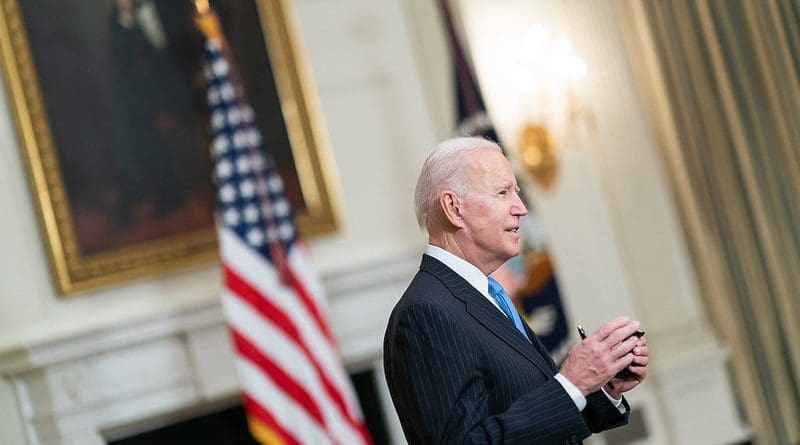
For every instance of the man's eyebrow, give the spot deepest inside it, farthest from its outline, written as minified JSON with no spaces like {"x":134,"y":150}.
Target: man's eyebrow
{"x":505,"y":185}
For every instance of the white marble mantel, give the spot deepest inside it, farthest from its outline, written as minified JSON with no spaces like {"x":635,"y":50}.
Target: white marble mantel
{"x":73,"y":390}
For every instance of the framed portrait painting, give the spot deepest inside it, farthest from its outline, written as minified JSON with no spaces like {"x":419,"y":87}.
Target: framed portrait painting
{"x":109,"y":102}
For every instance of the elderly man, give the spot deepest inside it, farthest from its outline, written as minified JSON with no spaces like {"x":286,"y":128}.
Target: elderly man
{"x":461,"y":365}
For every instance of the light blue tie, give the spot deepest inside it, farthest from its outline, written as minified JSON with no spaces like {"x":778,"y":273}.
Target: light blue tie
{"x":502,"y":299}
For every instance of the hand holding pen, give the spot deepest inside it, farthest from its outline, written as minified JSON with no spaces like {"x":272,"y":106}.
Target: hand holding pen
{"x":625,"y":373}
{"x":596,"y":360}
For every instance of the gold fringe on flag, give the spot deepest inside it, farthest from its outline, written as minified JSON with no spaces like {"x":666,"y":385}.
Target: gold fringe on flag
{"x":262,"y":433}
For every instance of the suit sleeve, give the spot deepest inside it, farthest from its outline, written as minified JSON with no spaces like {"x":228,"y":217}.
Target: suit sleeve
{"x":441,"y":391}
{"x":600,"y":414}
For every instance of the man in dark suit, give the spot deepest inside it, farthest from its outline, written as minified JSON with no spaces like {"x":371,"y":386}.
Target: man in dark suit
{"x":460,"y":364}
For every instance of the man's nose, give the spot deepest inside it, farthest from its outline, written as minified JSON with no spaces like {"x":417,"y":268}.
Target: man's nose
{"x":519,"y":207}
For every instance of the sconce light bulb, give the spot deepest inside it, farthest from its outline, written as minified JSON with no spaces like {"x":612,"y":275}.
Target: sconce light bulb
{"x":535,"y":37}
{"x":522,"y":79}
{"x":577,"y":68}
{"x":561,"y":49}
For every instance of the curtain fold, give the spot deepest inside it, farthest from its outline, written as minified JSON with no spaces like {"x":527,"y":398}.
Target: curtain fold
{"x":721,"y":81}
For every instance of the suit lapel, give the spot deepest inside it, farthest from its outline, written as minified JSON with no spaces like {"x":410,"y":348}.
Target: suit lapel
{"x":479,"y":308}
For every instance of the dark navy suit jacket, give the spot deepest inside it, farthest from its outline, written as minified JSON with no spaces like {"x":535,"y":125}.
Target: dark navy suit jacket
{"x":459,"y":372}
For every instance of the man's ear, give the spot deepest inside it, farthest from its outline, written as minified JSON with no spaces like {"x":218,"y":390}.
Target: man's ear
{"x":451,"y":206}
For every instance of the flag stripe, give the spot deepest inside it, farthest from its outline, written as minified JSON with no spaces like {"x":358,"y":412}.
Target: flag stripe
{"x":262,"y":419}
{"x":249,"y":267}
{"x":288,"y":348}
{"x":287,"y":353}
{"x":287,"y":414}
{"x":261,"y":304}
{"x":287,"y":384}
{"x":301,"y":266}
{"x":310,"y":305}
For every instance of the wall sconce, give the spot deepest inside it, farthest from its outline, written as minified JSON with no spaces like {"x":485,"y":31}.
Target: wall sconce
{"x":546,"y":77}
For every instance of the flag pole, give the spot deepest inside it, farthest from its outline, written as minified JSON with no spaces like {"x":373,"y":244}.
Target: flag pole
{"x":207,"y":22}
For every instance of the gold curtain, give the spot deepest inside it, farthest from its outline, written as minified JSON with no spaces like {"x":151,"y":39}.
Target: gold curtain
{"x":721,"y":82}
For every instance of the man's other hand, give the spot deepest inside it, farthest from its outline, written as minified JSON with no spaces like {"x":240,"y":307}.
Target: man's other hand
{"x":638,"y":369}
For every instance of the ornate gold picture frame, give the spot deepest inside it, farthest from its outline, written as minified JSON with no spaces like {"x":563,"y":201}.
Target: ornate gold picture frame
{"x":111,"y":118}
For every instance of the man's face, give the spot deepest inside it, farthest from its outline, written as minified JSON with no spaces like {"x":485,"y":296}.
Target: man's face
{"x":491,"y":209}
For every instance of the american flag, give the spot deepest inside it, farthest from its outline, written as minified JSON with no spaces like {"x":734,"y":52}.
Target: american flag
{"x":295,"y":388}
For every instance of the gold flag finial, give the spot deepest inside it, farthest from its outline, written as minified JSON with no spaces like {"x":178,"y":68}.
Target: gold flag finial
{"x":206,"y":20}
{"x":202,"y":6}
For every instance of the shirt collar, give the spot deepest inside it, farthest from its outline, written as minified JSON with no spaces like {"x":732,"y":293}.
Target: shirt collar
{"x":463,"y":268}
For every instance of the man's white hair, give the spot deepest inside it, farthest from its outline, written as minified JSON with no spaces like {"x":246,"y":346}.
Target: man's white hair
{"x":445,"y":169}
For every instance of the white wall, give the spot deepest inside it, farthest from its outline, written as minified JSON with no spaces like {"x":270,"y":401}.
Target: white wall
{"x":379,"y":122}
